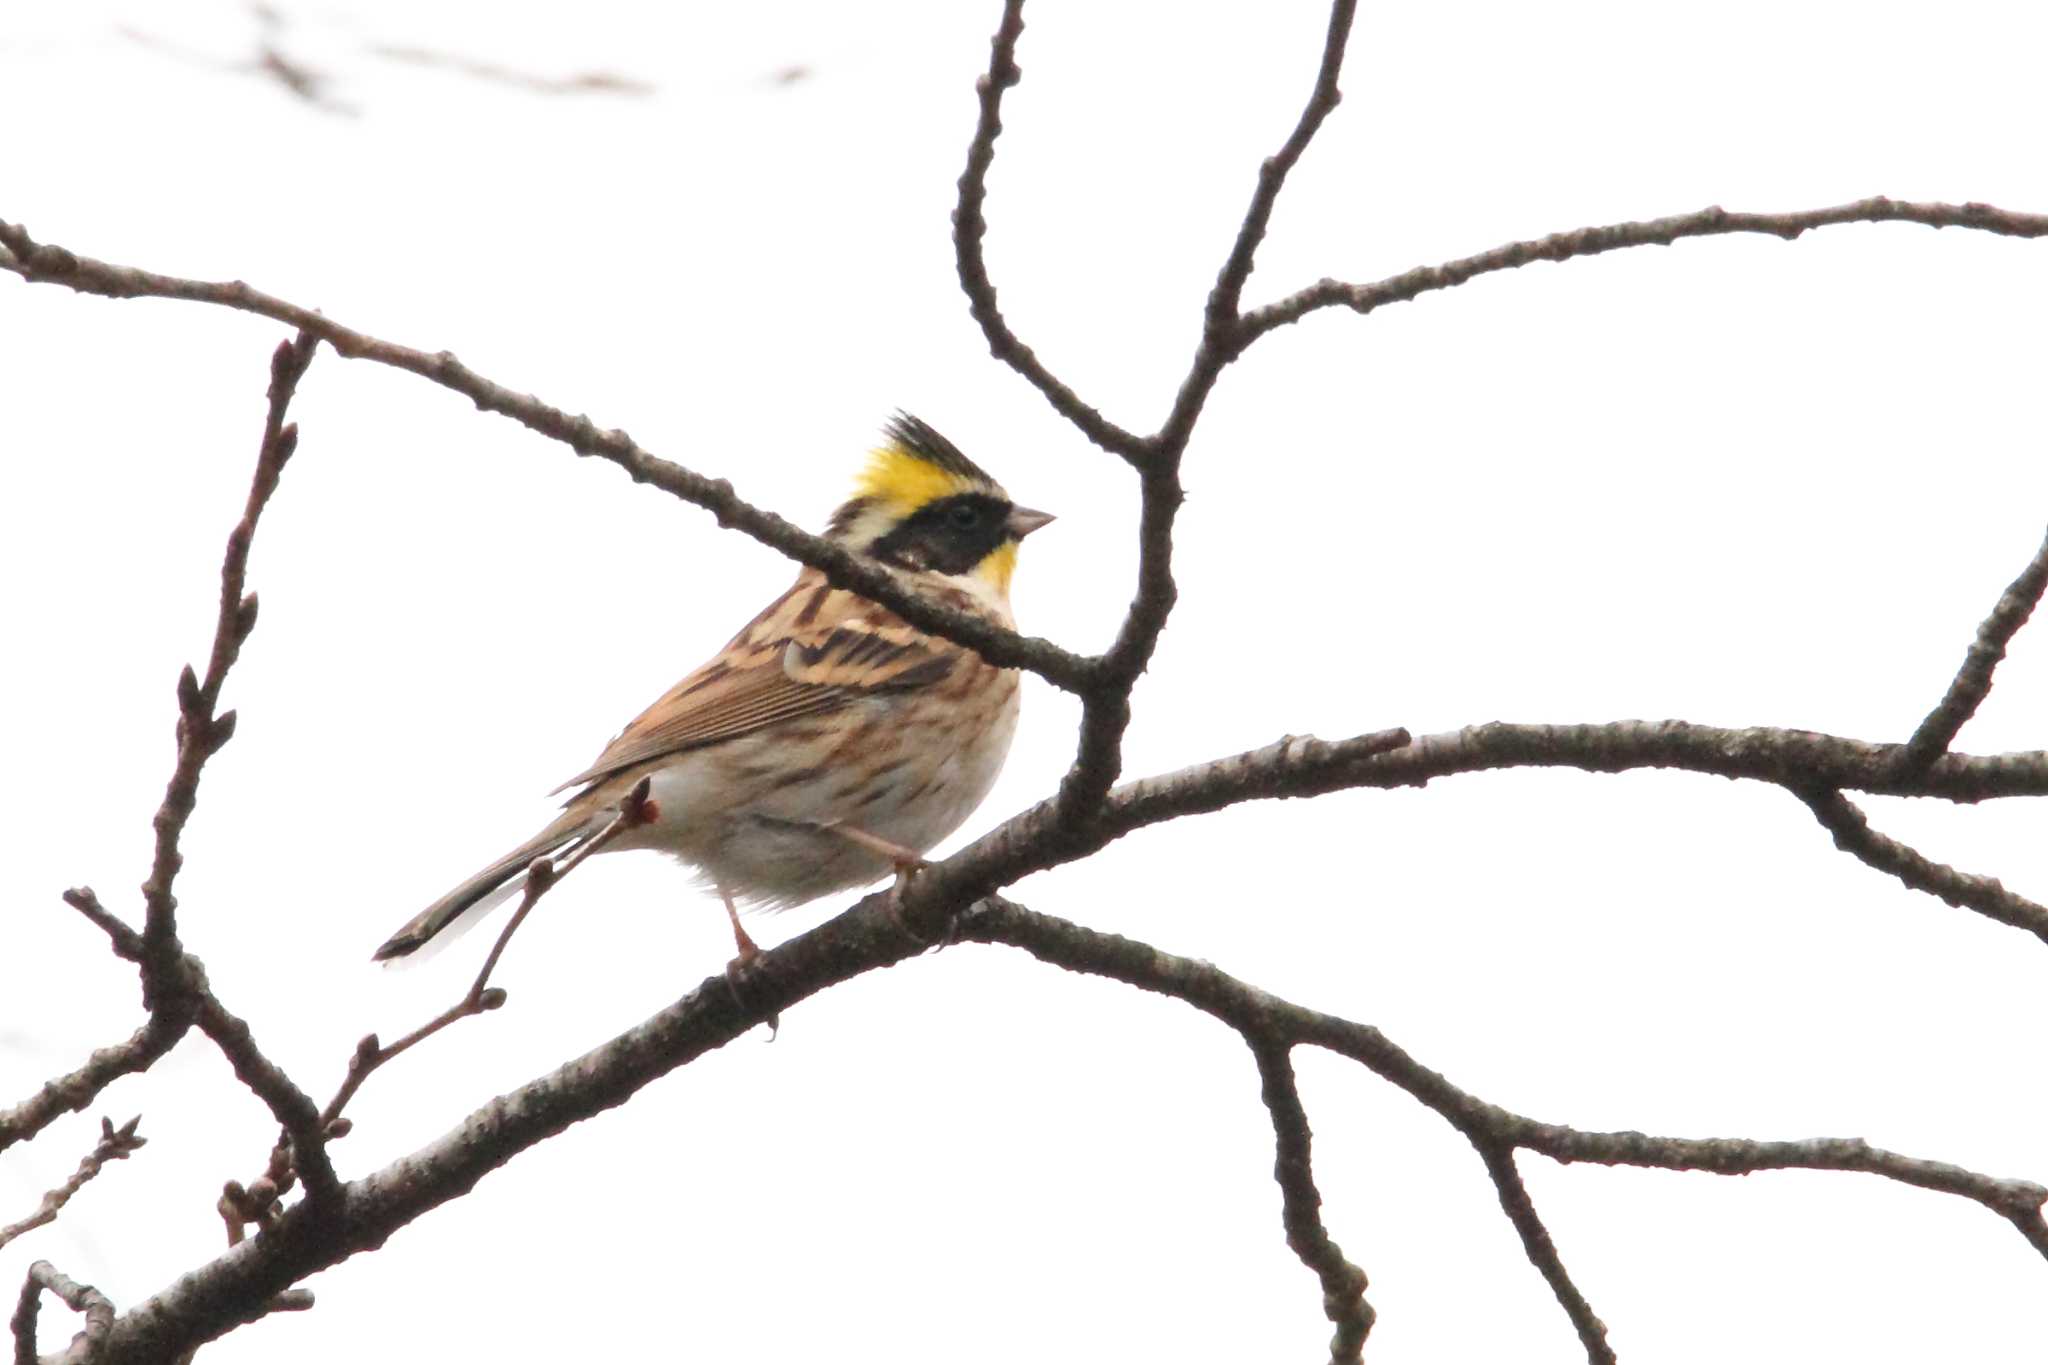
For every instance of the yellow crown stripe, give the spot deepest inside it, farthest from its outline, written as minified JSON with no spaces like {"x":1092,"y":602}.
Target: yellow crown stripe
{"x":903,"y":481}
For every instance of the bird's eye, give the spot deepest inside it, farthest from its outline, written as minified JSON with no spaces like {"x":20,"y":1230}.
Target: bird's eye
{"x":964,"y":515}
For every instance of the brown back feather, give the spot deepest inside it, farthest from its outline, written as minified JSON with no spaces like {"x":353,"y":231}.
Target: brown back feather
{"x":815,"y":649}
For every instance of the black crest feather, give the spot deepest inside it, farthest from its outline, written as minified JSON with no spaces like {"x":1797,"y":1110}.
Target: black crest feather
{"x":917,"y":436}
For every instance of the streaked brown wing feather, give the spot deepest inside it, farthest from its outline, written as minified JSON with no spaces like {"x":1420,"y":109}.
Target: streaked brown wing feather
{"x":814,"y":650}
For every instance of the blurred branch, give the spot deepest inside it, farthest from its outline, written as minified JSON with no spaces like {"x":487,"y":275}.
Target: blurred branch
{"x":1592,"y":241}
{"x":115,"y":1144}
{"x":1972,"y":682}
{"x":45,"y":264}
{"x":578,"y":83}
{"x":270,"y":62}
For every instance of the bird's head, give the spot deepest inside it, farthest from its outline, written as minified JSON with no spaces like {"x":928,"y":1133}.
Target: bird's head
{"x":922,"y":505}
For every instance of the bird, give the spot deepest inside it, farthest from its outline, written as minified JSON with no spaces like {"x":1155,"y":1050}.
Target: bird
{"x":829,"y":743}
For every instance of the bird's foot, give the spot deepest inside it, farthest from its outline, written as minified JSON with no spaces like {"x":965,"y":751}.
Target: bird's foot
{"x":737,"y":970}
{"x":906,"y":872}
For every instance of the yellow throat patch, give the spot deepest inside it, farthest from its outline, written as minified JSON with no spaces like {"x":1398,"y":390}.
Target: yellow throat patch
{"x":997,"y":566}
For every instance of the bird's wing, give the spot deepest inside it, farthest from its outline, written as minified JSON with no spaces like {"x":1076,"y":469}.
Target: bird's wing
{"x":814,"y":650}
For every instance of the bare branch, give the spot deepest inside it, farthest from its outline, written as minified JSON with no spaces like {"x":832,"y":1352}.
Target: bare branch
{"x":1592,"y":241}
{"x":1302,"y":766}
{"x":257,"y":1202}
{"x":1301,"y":1204}
{"x":1106,"y":711}
{"x":1972,"y":683}
{"x":1986,"y":895}
{"x":241,"y":1285}
{"x":2017,"y":1201}
{"x":81,"y":1298}
{"x":292,"y":1107}
{"x":1761,"y":753}
{"x":74,"y":1090}
{"x":201,"y":732}
{"x":1254,"y":1012}
{"x":127,"y":942}
{"x":1542,"y":1251}
{"x":43,"y":263}
{"x":635,"y":810}
{"x":970,"y":225}
{"x":1221,"y":314}
{"x":115,"y":1144}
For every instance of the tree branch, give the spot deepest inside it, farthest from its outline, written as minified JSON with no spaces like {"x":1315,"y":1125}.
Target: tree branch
{"x":115,"y":1144}
{"x":1106,"y":710}
{"x":970,"y":226}
{"x":1986,"y":895}
{"x":201,"y":732}
{"x":44,"y":263}
{"x":239,"y":1286}
{"x":1256,"y":1013}
{"x":1593,"y":241}
{"x":1301,"y":1204}
{"x":1972,"y":683}
{"x":1542,"y":1251}
{"x":81,"y":1298}
{"x":76,"y":1089}
{"x":1302,"y":766}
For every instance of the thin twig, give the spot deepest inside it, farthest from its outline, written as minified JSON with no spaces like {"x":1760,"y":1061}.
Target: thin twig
{"x":115,"y":1144}
{"x":127,"y":942}
{"x":1221,"y":314}
{"x":1542,"y":1251}
{"x":1106,"y":710}
{"x":168,"y":971}
{"x":1301,"y":1204}
{"x":970,"y":226}
{"x":257,"y":1203}
{"x":634,"y":811}
{"x":1972,"y":683}
{"x":1592,"y":241}
{"x":44,"y":263}
{"x":1967,"y":891}
{"x":201,"y":732}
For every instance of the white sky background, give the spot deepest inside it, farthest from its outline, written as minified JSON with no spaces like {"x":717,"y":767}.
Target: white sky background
{"x":1737,"y":481}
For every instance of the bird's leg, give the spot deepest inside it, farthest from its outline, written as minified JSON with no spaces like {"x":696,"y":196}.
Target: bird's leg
{"x":748,"y":950}
{"x":737,"y":968}
{"x":907,"y":862}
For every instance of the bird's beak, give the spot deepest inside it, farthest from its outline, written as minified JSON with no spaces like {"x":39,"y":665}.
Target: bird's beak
{"x":1023,"y":521}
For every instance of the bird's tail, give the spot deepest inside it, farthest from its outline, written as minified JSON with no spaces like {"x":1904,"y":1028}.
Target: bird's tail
{"x":485,"y":890}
